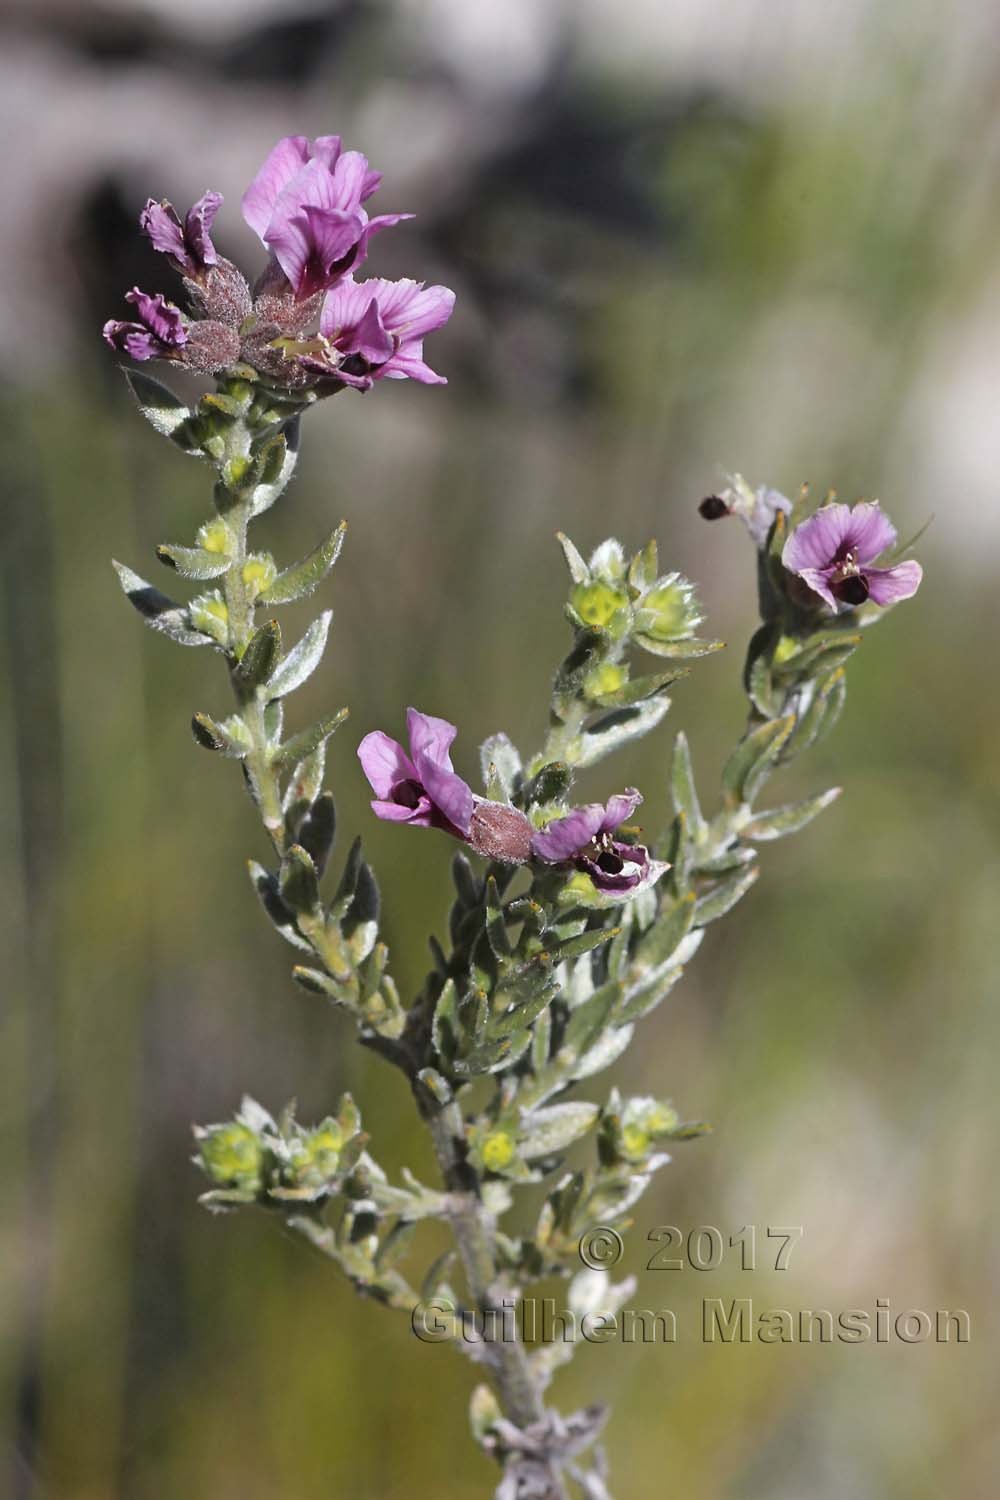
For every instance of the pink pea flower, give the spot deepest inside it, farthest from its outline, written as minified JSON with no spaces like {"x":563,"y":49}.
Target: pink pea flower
{"x":585,"y":838}
{"x":419,"y":787}
{"x":378,"y":328}
{"x":305,"y":203}
{"x":160,"y":333}
{"x":188,"y":245}
{"x":833,"y":553}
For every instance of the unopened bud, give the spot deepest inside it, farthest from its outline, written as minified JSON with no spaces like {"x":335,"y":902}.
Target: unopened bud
{"x":500,"y":832}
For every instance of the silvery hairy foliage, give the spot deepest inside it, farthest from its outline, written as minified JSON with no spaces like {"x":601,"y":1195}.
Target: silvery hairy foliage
{"x":564,"y":929}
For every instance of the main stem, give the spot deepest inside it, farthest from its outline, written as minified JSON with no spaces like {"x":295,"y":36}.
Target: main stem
{"x":474,"y":1229}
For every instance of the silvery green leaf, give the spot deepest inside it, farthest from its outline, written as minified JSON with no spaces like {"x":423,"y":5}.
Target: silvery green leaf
{"x":438,"y":1087}
{"x":618,"y":728}
{"x":360,"y":921}
{"x":604,"y":1052}
{"x":306,"y":781}
{"x":779,"y":821}
{"x":638,"y":689}
{"x":194,"y":562}
{"x":279,"y":455}
{"x":682,"y":787}
{"x":159,"y":612}
{"x":661,"y":940}
{"x":820,"y":654}
{"x":496,"y":926}
{"x":470,"y":892}
{"x":303,"y":577}
{"x":724,"y":896}
{"x":302,"y":660}
{"x":319,"y":831}
{"x":283,"y":918}
{"x":255,"y":1117}
{"x":644,"y":568}
{"x":484,"y":1412}
{"x":231,"y":737}
{"x":445,"y":1026}
{"x":494,"y":1056}
{"x":257,"y":663}
{"x":579,"y":572}
{"x":822,"y":713}
{"x":555,"y":1127}
{"x":161,"y":408}
{"x":588,"y":1020}
{"x":678,"y":650}
{"x":608,"y":560}
{"x":586,"y":942}
{"x":750,"y":764}
{"x":727,"y":859}
{"x":297,"y":881}
{"x":523,"y":1015}
{"x":654,"y":986}
{"x":303,"y":744}
{"x":500,"y":763}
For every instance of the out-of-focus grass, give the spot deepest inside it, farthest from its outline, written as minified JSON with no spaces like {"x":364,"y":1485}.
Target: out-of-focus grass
{"x":839,"y":1031}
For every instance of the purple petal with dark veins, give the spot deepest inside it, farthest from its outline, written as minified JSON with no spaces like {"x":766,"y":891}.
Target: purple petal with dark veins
{"x":890,"y":585}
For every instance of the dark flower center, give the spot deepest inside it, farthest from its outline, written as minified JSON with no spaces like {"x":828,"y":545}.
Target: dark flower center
{"x":406,"y":793}
{"x":849,"y":583}
{"x":713,"y":508}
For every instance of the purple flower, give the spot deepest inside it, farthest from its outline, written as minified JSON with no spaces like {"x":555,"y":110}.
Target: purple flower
{"x":378,"y":327}
{"x":420,"y":787}
{"x":305,"y":204}
{"x":159,"y":334}
{"x":833,"y":551}
{"x":189,"y":245}
{"x":585,"y":838}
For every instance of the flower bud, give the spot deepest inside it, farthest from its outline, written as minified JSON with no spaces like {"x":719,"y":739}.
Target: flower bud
{"x":259,"y":572}
{"x":597,"y":603}
{"x":669,"y":610}
{"x":497,"y":1151}
{"x":232,"y":1156}
{"x":500,"y":832}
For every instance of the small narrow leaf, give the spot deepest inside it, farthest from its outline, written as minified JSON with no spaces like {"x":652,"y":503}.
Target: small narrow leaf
{"x":305,"y":576}
{"x":578,"y":570}
{"x":307,"y":741}
{"x":279,"y":455}
{"x":159,"y":406}
{"x":500,"y":763}
{"x":231,"y":737}
{"x":724,"y":896}
{"x":297,"y":882}
{"x":555,"y":1127}
{"x":619,"y":728}
{"x":319,"y":831}
{"x":302,"y":660}
{"x":159,"y":612}
{"x":682,"y":787}
{"x":194,"y":562}
{"x":750,"y":763}
{"x":258,"y":660}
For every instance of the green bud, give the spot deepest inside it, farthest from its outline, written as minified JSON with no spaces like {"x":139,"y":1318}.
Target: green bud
{"x":214,"y":536}
{"x":232,"y":1156}
{"x":210,"y":614}
{"x":597,"y":603}
{"x":320,"y":1154}
{"x":498,"y":1151}
{"x":259,"y":572}
{"x":669,"y":610}
{"x":608,"y":677}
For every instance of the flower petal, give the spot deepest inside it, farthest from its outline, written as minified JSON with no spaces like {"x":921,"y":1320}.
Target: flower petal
{"x":564,"y":838}
{"x":385,"y":763}
{"x":816,"y":542}
{"x":449,"y":794}
{"x":161,"y":226}
{"x":818,"y":579}
{"x":422,"y":816}
{"x":430,"y":738}
{"x":890,"y":585}
{"x":370,"y":338}
{"x":197,"y":229}
{"x":287,"y":158}
{"x":870,"y":531}
{"x":619,"y":809}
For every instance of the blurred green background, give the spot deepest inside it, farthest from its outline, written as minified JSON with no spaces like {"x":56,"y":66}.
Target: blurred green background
{"x":686,"y":237}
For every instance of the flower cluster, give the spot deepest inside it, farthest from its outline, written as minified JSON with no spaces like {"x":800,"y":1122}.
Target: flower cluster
{"x":420,"y":786}
{"x":307,"y":322}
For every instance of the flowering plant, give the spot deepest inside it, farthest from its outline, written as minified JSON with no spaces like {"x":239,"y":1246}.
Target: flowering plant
{"x":567,"y":924}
